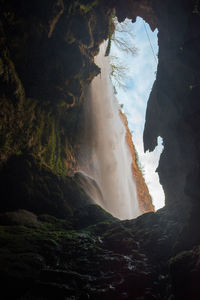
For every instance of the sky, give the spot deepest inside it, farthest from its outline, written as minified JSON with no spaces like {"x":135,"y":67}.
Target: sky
{"x":140,"y":76}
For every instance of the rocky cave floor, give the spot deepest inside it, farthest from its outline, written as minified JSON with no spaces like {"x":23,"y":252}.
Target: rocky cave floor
{"x":43,"y":257}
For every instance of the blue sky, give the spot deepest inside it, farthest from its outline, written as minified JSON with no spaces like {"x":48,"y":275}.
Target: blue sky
{"x":141,"y":72}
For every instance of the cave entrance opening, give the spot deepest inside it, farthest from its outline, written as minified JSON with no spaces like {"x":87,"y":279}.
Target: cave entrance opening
{"x":134,"y":59}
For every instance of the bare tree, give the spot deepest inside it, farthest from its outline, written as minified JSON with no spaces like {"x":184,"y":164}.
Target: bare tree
{"x":123,"y":39}
{"x":119,"y":72}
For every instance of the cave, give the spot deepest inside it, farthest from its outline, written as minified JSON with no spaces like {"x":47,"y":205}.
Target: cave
{"x":55,"y":242}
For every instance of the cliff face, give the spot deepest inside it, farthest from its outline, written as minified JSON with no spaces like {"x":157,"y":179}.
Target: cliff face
{"x":144,"y":198}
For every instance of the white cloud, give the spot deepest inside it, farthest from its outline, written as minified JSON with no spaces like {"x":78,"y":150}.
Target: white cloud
{"x":141,"y":76}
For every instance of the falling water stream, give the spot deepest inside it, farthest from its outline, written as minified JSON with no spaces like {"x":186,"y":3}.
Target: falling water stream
{"x":106,"y":149}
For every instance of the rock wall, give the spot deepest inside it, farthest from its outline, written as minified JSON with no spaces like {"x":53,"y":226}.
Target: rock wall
{"x":144,"y":198}
{"x":173,"y":106}
{"x":46,"y":62}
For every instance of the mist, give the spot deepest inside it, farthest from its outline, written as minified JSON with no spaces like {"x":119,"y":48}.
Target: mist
{"x":106,"y":148}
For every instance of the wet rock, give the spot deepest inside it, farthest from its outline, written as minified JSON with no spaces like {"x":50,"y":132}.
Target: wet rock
{"x":19,"y":217}
{"x":92,"y":214}
{"x":27,"y":185}
{"x":185,"y":274}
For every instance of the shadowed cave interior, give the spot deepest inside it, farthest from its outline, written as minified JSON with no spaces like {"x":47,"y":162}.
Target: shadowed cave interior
{"x":55,"y":243}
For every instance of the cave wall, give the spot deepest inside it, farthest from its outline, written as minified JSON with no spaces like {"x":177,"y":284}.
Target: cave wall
{"x":47,"y":61}
{"x":47,"y":51}
{"x":173,"y":106}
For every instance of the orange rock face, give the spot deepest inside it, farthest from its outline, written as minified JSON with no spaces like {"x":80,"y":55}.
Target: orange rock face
{"x":144,"y":198}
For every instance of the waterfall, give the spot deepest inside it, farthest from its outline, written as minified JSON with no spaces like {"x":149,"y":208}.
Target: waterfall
{"x":105,"y":148}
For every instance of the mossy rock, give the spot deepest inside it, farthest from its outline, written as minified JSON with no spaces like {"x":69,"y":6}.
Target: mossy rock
{"x":119,"y":239}
{"x":20,"y":217}
{"x":80,"y":29}
{"x":91,"y":215}
{"x":26,"y":184}
{"x":185,"y":274}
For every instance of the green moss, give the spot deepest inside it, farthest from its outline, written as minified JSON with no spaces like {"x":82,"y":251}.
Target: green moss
{"x":46,"y":124}
{"x":87,"y":7}
{"x":196,"y":9}
{"x":90,"y":215}
{"x":24,"y":250}
{"x":101,"y":227}
{"x":53,"y":223}
{"x":11,"y":78}
{"x":119,"y":239}
{"x":26,"y":126}
{"x":52,"y":145}
{"x":19,"y":152}
{"x":111,"y":28}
